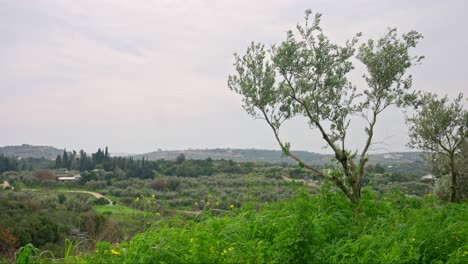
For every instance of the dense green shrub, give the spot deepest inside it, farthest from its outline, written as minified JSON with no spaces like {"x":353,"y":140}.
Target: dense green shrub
{"x":101,"y":201}
{"x":324,"y":228}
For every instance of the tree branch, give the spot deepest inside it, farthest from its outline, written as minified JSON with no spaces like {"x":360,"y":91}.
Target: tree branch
{"x":283,"y":148}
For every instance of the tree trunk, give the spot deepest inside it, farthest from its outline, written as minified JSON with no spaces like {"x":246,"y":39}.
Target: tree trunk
{"x":453,"y":187}
{"x":355,"y":197}
{"x":357,"y":192}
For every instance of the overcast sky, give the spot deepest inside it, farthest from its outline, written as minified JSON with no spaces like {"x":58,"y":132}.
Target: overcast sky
{"x":141,"y":75}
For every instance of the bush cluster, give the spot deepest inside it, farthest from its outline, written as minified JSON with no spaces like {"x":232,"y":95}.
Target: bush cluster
{"x":323,"y":228}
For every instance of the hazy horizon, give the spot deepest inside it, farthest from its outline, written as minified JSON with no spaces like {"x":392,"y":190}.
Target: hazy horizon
{"x":139,"y":76}
{"x":113,"y":153}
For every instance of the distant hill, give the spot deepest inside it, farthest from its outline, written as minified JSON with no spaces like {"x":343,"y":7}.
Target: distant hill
{"x":28,"y":151}
{"x":243,"y":155}
{"x":396,"y":158}
{"x":273,"y":156}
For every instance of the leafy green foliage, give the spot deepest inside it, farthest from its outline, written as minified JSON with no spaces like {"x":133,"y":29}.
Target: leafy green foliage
{"x":306,"y":75}
{"x":440,"y":128}
{"x":44,"y":219}
{"x":307,"y":229}
{"x":443,"y":185}
{"x":439,"y":125}
{"x":101,"y":201}
{"x":206,"y":207}
{"x":20,"y":164}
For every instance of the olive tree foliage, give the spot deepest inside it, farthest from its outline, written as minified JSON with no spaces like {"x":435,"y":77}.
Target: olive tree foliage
{"x":440,"y":168}
{"x":306,"y":75}
{"x":440,"y":128}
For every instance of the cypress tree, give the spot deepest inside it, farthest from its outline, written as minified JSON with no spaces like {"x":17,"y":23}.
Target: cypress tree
{"x":65,"y":159}
{"x":58,"y":162}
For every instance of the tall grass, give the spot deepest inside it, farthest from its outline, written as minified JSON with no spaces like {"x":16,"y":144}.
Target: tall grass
{"x":324,"y":228}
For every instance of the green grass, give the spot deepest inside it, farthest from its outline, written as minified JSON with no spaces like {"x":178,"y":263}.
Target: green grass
{"x":323,"y":228}
{"x":118,"y":210}
{"x":129,"y":220}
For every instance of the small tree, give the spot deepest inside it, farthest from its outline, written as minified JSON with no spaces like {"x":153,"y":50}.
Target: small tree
{"x":440,"y":128}
{"x":306,"y":75}
{"x":180,"y":158}
{"x":44,"y":175}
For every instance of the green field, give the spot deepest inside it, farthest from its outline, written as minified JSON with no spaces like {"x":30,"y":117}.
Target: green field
{"x":323,"y":228}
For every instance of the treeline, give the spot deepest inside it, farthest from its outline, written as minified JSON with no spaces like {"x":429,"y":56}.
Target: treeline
{"x":145,"y":169}
{"x":22,"y":164}
{"x":82,"y":162}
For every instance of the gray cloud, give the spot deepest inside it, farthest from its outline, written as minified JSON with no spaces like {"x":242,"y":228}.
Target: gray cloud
{"x":141,"y":75}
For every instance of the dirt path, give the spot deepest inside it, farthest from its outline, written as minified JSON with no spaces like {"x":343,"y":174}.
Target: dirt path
{"x":95,"y":194}
{"x":5,"y":184}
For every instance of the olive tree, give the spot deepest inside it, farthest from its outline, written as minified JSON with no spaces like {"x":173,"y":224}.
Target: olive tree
{"x":306,"y":75}
{"x":440,"y":128}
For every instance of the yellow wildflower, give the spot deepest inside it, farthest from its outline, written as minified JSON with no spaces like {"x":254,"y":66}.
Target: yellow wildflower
{"x":231,"y":248}
{"x":153,"y":196}
{"x":115,"y":252}
{"x":232,"y":206}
